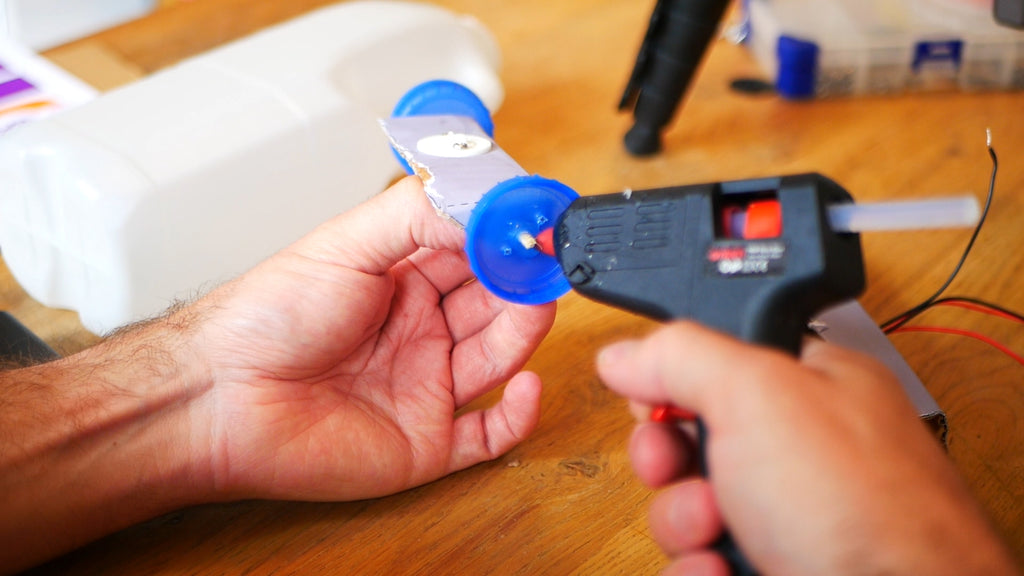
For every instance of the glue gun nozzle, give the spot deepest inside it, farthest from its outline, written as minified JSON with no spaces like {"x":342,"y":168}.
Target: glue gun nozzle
{"x":543,"y":241}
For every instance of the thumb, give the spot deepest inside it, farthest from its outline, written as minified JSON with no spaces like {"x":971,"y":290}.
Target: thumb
{"x":691,"y":366}
{"x":382,"y":231}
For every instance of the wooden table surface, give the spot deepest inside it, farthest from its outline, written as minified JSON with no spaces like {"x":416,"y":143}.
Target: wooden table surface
{"x":566,"y":501}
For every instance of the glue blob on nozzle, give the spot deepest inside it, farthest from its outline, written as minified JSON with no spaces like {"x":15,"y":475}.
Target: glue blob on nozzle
{"x":544,"y":241}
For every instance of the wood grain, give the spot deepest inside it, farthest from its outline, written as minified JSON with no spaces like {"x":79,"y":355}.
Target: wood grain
{"x":565,"y":502}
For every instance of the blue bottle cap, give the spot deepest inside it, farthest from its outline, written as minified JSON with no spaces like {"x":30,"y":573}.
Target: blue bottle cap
{"x":798,"y":67}
{"x":442,"y":97}
{"x":497,"y":255}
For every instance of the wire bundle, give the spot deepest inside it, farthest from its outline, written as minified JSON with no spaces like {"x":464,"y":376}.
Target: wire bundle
{"x":898,"y":324}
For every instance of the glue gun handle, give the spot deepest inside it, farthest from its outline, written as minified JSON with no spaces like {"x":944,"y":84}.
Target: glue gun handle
{"x":725,"y":545}
{"x":779,"y":332}
{"x":782,"y":327}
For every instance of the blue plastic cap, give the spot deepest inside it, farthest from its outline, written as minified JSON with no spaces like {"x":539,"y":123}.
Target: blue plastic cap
{"x":497,"y":256}
{"x":442,"y":97}
{"x":798,"y":67}
{"x":939,"y":52}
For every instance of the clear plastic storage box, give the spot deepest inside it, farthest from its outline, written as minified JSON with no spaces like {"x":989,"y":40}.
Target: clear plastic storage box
{"x":824,"y":48}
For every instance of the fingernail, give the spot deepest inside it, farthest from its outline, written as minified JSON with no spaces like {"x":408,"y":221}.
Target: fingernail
{"x":615,"y":352}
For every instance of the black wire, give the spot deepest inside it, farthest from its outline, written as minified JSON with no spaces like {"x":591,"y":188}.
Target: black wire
{"x":970,"y":300}
{"x":901,"y":319}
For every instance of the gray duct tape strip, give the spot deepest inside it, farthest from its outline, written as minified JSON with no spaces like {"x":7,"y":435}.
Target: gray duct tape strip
{"x":454,"y":157}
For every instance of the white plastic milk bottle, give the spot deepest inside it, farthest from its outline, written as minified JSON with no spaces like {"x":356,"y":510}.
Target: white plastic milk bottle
{"x":168,"y":186}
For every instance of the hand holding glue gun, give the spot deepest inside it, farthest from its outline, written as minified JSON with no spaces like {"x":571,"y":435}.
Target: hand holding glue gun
{"x":756,"y":259}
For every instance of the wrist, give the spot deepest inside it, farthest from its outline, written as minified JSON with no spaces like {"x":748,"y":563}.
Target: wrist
{"x":101,"y":440}
{"x":168,"y":380}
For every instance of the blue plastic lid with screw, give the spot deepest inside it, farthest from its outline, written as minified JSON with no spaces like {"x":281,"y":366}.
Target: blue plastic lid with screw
{"x":443,"y":97}
{"x":497,"y":254}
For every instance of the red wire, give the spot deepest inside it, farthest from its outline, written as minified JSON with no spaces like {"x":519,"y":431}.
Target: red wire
{"x":958,"y":332}
{"x":979,"y":308}
{"x":887,"y":328}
